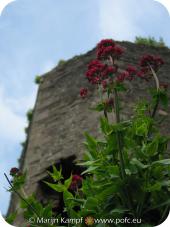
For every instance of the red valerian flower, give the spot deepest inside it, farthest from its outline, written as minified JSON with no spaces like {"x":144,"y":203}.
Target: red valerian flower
{"x":108,"y":71}
{"x":118,"y":50}
{"x":131,"y":69}
{"x":95,"y":63}
{"x":122,"y":76}
{"x":14,"y":171}
{"x":76,"y":182}
{"x":146,"y":62}
{"x":107,"y":48}
{"x":150,"y":60}
{"x":83,"y":92}
{"x":97,"y":71}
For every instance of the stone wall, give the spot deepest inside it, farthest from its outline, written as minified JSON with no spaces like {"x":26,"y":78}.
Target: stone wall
{"x":61,"y":117}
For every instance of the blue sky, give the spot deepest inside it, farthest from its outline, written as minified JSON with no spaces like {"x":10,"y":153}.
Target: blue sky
{"x":35,"y":35}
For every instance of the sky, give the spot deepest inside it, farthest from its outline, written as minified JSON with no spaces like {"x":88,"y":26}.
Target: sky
{"x":35,"y":35}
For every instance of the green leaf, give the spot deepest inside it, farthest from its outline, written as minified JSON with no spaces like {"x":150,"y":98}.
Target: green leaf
{"x":163,"y":99}
{"x":88,"y":163}
{"x":47,"y":211}
{"x":138,"y":163}
{"x":91,"y":145}
{"x":162,"y":162}
{"x":11,"y":218}
{"x":113,"y":171}
{"x":120,"y":87}
{"x":18,"y":182}
{"x":119,"y":211}
{"x":56,"y":175}
{"x":90,"y":169}
{"x":105,"y":126}
{"x":142,"y":129}
{"x":152,"y":148}
{"x":165,"y":183}
{"x":68,"y":182}
{"x":57,"y":187}
{"x":91,"y":203}
{"x":155,"y":187}
{"x":67,"y":196}
{"x":109,"y":190}
{"x":100,"y":107}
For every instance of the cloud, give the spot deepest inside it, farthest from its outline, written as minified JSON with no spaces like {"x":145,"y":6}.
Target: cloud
{"x":8,"y":154}
{"x":115,"y":20}
{"x":123,"y":20}
{"x":12,"y":122}
{"x":12,"y":118}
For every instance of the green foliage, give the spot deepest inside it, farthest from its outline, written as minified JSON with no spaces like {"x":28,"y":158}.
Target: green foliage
{"x":33,"y":210}
{"x":23,"y":144}
{"x":37,"y":79}
{"x":61,"y":62}
{"x":29,"y":115}
{"x":57,"y":177}
{"x":104,"y":191}
{"x":150,"y":41}
{"x":143,"y":189}
{"x":18,"y":181}
{"x":11,"y":218}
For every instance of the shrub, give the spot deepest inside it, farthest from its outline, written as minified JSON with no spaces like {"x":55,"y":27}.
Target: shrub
{"x":150,"y":41}
{"x":37,"y":79}
{"x":61,"y":62}
{"x":29,"y":115}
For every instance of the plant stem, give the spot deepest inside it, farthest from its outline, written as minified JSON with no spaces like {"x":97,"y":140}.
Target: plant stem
{"x":119,"y":137}
{"x":117,"y":107}
{"x":120,"y":146}
{"x":155,"y":78}
{"x":157,"y":99}
{"x":105,"y":114}
{"x":155,"y":107}
{"x":20,"y":196}
{"x":157,"y":87}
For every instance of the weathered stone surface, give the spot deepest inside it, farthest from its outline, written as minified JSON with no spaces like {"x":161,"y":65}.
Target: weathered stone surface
{"x":61,"y":117}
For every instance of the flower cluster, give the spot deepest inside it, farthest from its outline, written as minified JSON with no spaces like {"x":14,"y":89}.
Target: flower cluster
{"x":128,"y":74}
{"x":146,"y":62}
{"x":107,"y":48}
{"x":132,"y":70}
{"x":150,"y":60}
{"x":14,"y":171}
{"x":76,"y":182}
{"x":97,"y":72}
{"x":122,"y":76}
{"x":107,"y":75}
{"x":83,"y":92}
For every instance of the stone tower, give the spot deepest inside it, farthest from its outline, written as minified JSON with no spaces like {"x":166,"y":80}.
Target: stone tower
{"x":61,"y":117}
